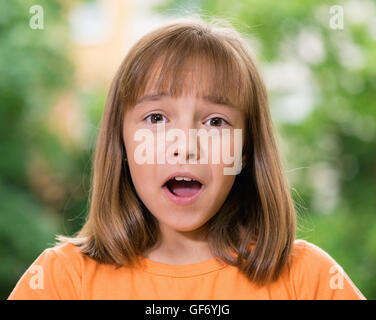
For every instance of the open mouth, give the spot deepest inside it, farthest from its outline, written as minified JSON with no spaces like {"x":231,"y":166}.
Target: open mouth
{"x":183,"y":188}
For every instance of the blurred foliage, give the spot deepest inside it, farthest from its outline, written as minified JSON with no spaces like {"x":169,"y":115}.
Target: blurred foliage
{"x":330,"y":154}
{"x":43,"y":182}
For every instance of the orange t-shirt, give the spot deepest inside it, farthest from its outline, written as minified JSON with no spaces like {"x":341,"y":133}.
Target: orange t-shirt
{"x":63,"y":272}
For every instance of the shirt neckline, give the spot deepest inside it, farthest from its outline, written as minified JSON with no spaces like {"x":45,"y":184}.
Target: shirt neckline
{"x":183,"y":270}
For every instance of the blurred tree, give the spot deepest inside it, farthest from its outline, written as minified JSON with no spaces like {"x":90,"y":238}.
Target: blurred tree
{"x":323,"y":100}
{"x":40,"y":178}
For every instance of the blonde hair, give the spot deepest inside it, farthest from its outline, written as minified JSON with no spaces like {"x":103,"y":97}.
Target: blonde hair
{"x":258,"y":212}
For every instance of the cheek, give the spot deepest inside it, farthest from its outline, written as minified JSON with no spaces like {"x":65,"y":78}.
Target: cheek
{"x":221,"y":183}
{"x":223,"y":149}
{"x":145,"y":183}
{"x":140,"y":173}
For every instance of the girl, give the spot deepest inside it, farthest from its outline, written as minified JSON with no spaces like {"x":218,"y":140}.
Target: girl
{"x":176,"y":230}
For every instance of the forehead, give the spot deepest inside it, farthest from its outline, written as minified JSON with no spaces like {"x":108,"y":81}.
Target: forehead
{"x":155,"y":96}
{"x":194,"y":78}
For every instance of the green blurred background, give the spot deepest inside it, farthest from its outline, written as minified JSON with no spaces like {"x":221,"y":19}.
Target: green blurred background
{"x":322,"y":88}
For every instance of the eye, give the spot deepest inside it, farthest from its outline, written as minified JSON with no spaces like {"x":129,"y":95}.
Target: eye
{"x":155,"y":118}
{"x":217,"y":122}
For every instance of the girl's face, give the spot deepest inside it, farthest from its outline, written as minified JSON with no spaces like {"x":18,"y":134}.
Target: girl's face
{"x":178,"y":204}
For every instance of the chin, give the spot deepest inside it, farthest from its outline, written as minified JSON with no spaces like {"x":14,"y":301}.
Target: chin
{"x":185,"y":225}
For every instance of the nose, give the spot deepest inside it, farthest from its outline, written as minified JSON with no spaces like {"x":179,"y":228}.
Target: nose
{"x":190,"y":152}
{"x":189,"y":155}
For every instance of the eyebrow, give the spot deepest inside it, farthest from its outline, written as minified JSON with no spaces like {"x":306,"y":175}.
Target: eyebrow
{"x":212,"y":99}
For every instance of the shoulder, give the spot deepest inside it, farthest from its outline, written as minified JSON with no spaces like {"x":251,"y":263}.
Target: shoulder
{"x":55,"y":274}
{"x":65,"y":251}
{"x":305,"y":252}
{"x":309,"y":260}
{"x":64,"y":256}
{"x":316,"y":275}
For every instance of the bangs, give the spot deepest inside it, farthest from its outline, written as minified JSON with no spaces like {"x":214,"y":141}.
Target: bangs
{"x":190,"y":62}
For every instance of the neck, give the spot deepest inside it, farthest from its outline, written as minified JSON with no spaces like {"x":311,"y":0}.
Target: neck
{"x":180,"y":247}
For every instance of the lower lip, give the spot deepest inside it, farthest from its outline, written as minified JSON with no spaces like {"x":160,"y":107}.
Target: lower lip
{"x":182,"y":200}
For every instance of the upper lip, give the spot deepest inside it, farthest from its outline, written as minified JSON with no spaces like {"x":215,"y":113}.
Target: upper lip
{"x":183,"y":174}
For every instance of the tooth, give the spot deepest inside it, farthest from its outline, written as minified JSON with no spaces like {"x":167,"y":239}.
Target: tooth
{"x":179,"y":178}
{"x":187,"y":179}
